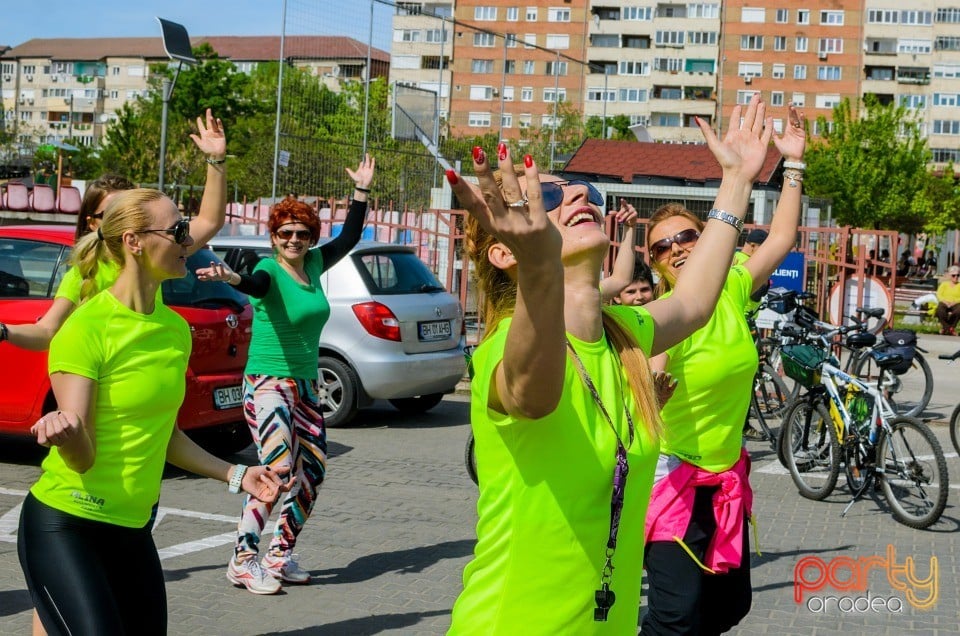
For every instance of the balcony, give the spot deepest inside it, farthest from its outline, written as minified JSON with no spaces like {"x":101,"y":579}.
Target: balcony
{"x":880,"y":46}
{"x":913,"y":75}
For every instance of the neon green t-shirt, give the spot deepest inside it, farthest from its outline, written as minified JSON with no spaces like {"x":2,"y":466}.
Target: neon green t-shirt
{"x":714,"y":369}
{"x":948,"y":291}
{"x":544,"y":507}
{"x":139,"y":362}
{"x":106,"y":276}
{"x":287,"y":321}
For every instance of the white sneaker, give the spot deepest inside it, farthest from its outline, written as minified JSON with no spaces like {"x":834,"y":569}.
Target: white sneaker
{"x":284,"y":567}
{"x":251,"y":575}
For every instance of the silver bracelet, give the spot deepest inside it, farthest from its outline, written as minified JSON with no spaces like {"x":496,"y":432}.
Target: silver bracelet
{"x":726,"y":217}
{"x":236,"y":480}
{"x":796,"y":165}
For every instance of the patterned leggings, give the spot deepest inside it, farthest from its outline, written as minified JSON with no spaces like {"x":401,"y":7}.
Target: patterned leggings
{"x":286,"y":422}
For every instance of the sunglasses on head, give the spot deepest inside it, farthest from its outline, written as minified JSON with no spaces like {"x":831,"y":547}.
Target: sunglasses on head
{"x":180,"y":231}
{"x":303,"y":235}
{"x":685,"y":238}
{"x":552,"y":192}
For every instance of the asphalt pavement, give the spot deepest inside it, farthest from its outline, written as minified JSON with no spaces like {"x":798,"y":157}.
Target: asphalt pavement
{"x":394,"y":526}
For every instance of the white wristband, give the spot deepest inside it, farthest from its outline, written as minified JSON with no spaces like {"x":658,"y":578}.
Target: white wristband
{"x":236,"y":479}
{"x":726,"y":217}
{"x":796,"y":165}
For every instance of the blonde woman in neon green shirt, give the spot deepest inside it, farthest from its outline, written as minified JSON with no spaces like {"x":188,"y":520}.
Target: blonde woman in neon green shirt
{"x":692,"y":589}
{"x":562,"y":398}
{"x":117,"y":368}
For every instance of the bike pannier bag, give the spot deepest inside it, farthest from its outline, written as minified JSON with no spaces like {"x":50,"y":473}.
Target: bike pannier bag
{"x":903,"y":342}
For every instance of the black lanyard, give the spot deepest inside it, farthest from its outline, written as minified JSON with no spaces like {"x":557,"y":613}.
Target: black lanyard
{"x":604,"y":597}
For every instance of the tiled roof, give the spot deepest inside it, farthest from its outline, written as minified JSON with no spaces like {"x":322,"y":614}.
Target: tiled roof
{"x":630,"y":161}
{"x":234,"y":47}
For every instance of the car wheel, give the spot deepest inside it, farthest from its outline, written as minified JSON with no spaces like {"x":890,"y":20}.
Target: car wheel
{"x":337,"y":391}
{"x":419,"y":404}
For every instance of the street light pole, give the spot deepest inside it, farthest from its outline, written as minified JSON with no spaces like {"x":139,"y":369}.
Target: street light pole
{"x":176,"y":43}
{"x":167,"y":91}
{"x":70,"y":121}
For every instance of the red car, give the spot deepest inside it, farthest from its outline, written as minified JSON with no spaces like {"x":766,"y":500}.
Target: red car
{"x":33,"y":260}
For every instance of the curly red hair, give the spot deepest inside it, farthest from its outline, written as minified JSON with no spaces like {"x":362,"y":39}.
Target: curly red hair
{"x":294,"y":211}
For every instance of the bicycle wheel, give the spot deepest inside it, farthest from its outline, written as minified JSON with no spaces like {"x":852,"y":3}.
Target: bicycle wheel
{"x":470,"y":458}
{"x":809,"y":448}
{"x":913,"y":472}
{"x":916,"y":381}
{"x":858,"y":460}
{"x":776,"y":364}
{"x":772,"y":393}
{"x":954,"y":425}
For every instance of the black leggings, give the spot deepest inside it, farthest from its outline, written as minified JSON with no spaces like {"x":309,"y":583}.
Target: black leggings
{"x":683,"y":599}
{"x":88,"y":577}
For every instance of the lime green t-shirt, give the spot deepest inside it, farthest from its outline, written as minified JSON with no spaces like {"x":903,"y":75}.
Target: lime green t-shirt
{"x":287,"y":321}
{"x":544,"y":507}
{"x":139,"y":362}
{"x":948,"y":291}
{"x":106,"y":276}
{"x":714,"y":369}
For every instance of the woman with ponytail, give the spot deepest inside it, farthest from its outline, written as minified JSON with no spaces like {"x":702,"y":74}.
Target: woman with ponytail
{"x":563,"y":407}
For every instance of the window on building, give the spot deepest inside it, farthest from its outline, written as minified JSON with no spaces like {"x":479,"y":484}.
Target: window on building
{"x":750,"y":69}
{"x":947,"y":43}
{"x":832,"y":18}
{"x":667,"y":120}
{"x":481,"y":66}
{"x":669,"y":38}
{"x":668,"y":64}
{"x":435,"y":36}
{"x":556,"y":68}
{"x":827,"y":101}
{"x":779,"y":43}
{"x":703,"y":10}
{"x":946,"y":99}
{"x":639,"y":14}
{"x":751,"y":42}
{"x":752,"y":14}
{"x":947,"y":15}
{"x":913,"y":102}
{"x":801,"y":44}
{"x":526,"y":94}
{"x":558,"y":41}
{"x":776,"y":98}
{"x":478,"y":120}
{"x":920,"y":18}
{"x":481,"y":92}
{"x":907,"y":45}
{"x":601,"y":95}
{"x":701,"y":37}
{"x":828,"y":73}
{"x":799,"y":99}
{"x":634,"y":68}
{"x":946,"y":126}
{"x":485,"y":14}
{"x":633,"y":94}
{"x":558,"y":15}
{"x":506,"y":120}
{"x":799,"y":71}
{"x":783,"y":16}
{"x":529,"y":40}
{"x":779,"y":71}
{"x":830,"y":45}
{"x":484,"y":39}
{"x":946,"y":70}
{"x":529,"y":67}
{"x":508,"y":93}
{"x":554,"y":95}
{"x":883,"y":16}
{"x":803,"y":16}
{"x":513,"y":14}
{"x":743,"y":97}
{"x":531,"y":14}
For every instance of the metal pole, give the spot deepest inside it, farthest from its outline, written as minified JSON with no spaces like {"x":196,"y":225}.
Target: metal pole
{"x":606,"y":75}
{"x":276,"y":127}
{"x":70,"y":121}
{"x":556,"y":100}
{"x":503,"y":86}
{"x":166,"y":89}
{"x":436,"y":120}
{"x":366,"y":103}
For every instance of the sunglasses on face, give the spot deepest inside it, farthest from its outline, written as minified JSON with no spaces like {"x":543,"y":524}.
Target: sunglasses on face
{"x":684,"y":239}
{"x":97,"y":215}
{"x":303,"y":235}
{"x":180,"y":231}
{"x":553,"y":193}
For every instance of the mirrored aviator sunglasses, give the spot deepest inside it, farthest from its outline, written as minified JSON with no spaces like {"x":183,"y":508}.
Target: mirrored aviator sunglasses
{"x":683,"y":239}
{"x":553,"y":193}
{"x":180,"y":231}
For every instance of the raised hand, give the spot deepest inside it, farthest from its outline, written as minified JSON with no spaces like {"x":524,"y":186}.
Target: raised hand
{"x":793,"y":141}
{"x":56,"y":428}
{"x":363,"y":175}
{"x":216,"y":272}
{"x":210,"y":137}
{"x":626,"y":214}
{"x":744,"y":147}
{"x":515,"y":217}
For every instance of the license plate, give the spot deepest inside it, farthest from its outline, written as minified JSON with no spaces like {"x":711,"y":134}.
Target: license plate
{"x":436,"y":330}
{"x":227,"y":397}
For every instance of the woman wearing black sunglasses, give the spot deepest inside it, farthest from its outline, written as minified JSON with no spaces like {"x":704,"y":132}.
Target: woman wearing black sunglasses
{"x":118,"y":372}
{"x":697,"y":555}
{"x":280,"y":400}
{"x":563,"y":409}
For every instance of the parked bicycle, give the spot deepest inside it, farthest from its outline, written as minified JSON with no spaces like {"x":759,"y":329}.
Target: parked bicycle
{"x":770,"y":393}
{"x":843,"y":421}
{"x":469,"y":453}
{"x":855,"y":342}
{"x":955,"y":417}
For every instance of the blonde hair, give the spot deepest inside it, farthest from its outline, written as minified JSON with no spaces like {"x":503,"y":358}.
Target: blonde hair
{"x":664,"y":212}
{"x":497,"y":298}
{"x":126,"y":212}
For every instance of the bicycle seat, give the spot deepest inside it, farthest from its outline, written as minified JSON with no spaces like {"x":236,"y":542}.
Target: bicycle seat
{"x":871,"y":312}
{"x":861,"y":340}
{"x":886,"y":359}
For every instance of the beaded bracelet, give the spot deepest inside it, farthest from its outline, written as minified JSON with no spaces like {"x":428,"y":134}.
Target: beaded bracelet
{"x":793,"y":177}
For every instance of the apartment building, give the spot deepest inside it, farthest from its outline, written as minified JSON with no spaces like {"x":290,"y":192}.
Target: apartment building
{"x":422,"y":49}
{"x":55,"y":89}
{"x":514,"y":64}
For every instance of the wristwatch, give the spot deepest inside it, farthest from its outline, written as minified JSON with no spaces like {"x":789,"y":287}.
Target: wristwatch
{"x":726,"y":217}
{"x":236,"y":479}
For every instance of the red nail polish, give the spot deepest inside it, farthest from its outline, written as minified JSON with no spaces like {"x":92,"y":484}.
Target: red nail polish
{"x":451,"y":177}
{"x":528,"y":161}
{"x":478,"y":155}
{"x":502,"y":151}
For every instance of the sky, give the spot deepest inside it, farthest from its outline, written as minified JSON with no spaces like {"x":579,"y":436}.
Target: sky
{"x":22,"y":21}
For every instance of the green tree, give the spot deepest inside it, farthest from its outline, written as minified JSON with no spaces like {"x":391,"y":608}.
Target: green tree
{"x":619,"y":123}
{"x":940,"y":205}
{"x":873,"y":167}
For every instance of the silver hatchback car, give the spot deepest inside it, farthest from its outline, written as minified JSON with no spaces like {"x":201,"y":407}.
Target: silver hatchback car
{"x":394,"y":332}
